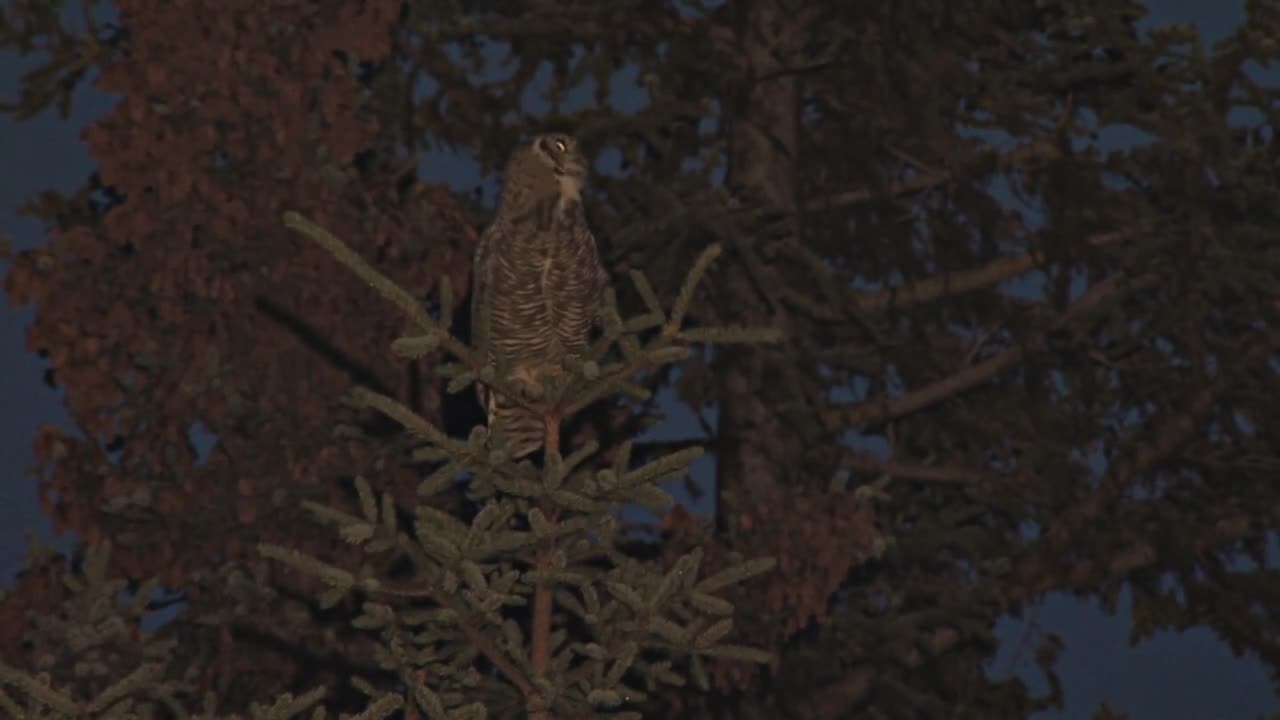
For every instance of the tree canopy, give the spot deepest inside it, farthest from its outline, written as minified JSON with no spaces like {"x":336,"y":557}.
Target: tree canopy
{"x":1015,"y":358}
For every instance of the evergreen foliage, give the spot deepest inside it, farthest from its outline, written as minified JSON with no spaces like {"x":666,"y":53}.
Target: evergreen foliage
{"x":541,"y":538}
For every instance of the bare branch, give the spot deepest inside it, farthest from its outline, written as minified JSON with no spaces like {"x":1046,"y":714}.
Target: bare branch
{"x":949,"y":284}
{"x":929,"y":473}
{"x":840,"y":697}
{"x":917,"y":183}
{"x":1036,"y":577}
{"x":1019,"y":156}
{"x":837,"y":699}
{"x":876,"y":411}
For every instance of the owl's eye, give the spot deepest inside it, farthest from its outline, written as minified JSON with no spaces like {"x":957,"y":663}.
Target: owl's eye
{"x":560,"y":146}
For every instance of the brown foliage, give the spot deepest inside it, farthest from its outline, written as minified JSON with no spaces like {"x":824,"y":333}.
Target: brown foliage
{"x":818,"y":538}
{"x":36,"y":588}
{"x":189,"y":302}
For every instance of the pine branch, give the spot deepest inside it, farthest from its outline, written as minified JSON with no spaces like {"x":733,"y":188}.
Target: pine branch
{"x":667,"y":347}
{"x":407,"y":303}
{"x":437,"y":334}
{"x":878,"y":411}
{"x":1169,"y":439}
{"x":956,"y":283}
{"x":1036,"y":577}
{"x":842,"y":696}
{"x":1036,"y":151}
{"x":473,"y":633}
{"x":858,"y":196}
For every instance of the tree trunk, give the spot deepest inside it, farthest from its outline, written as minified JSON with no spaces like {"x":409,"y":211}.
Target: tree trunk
{"x":763,"y":131}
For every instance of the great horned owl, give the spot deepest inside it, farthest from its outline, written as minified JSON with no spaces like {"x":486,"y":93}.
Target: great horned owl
{"x":538,"y":281}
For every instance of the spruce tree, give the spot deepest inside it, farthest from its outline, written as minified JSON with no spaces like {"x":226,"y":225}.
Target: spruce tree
{"x":600,"y":628}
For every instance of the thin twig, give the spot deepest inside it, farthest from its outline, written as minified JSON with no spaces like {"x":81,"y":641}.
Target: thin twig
{"x":928,"y":473}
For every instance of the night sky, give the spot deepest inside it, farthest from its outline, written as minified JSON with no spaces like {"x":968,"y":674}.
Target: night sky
{"x":1190,"y":675}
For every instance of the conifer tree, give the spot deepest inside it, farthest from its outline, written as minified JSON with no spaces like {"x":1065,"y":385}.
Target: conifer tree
{"x":542,"y":539}
{"x":529,"y":606}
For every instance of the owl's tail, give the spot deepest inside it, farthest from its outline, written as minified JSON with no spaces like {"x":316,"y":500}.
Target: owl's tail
{"x":519,"y":428}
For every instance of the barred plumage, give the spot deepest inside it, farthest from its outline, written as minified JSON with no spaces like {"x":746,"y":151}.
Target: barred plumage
{"x":537,"y":280}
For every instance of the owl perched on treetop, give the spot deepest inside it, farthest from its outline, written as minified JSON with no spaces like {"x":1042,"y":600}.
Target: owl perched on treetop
{"x":538,"y":282}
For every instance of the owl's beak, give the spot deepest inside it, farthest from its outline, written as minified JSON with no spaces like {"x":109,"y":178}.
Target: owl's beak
{"x":575,"y":170}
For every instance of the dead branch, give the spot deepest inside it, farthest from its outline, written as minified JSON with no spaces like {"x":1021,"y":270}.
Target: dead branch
{"x":1040,"y":150}
{"x":929,"y":473}
{"x":951,"y":284}
{"x":877,"y":411}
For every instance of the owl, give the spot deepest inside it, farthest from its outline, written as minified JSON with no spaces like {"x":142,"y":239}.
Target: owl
{"x":538,"y":283}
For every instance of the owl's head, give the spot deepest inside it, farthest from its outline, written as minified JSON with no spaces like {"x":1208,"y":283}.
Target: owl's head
{"x":549,"y":164}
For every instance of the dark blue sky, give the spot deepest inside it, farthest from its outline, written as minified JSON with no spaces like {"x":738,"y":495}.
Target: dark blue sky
{"x":1190,"y":675}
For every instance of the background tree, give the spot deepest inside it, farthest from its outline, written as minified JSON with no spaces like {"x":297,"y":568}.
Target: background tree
{"x":1052,"y":358}
{"x":170,"y":296}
